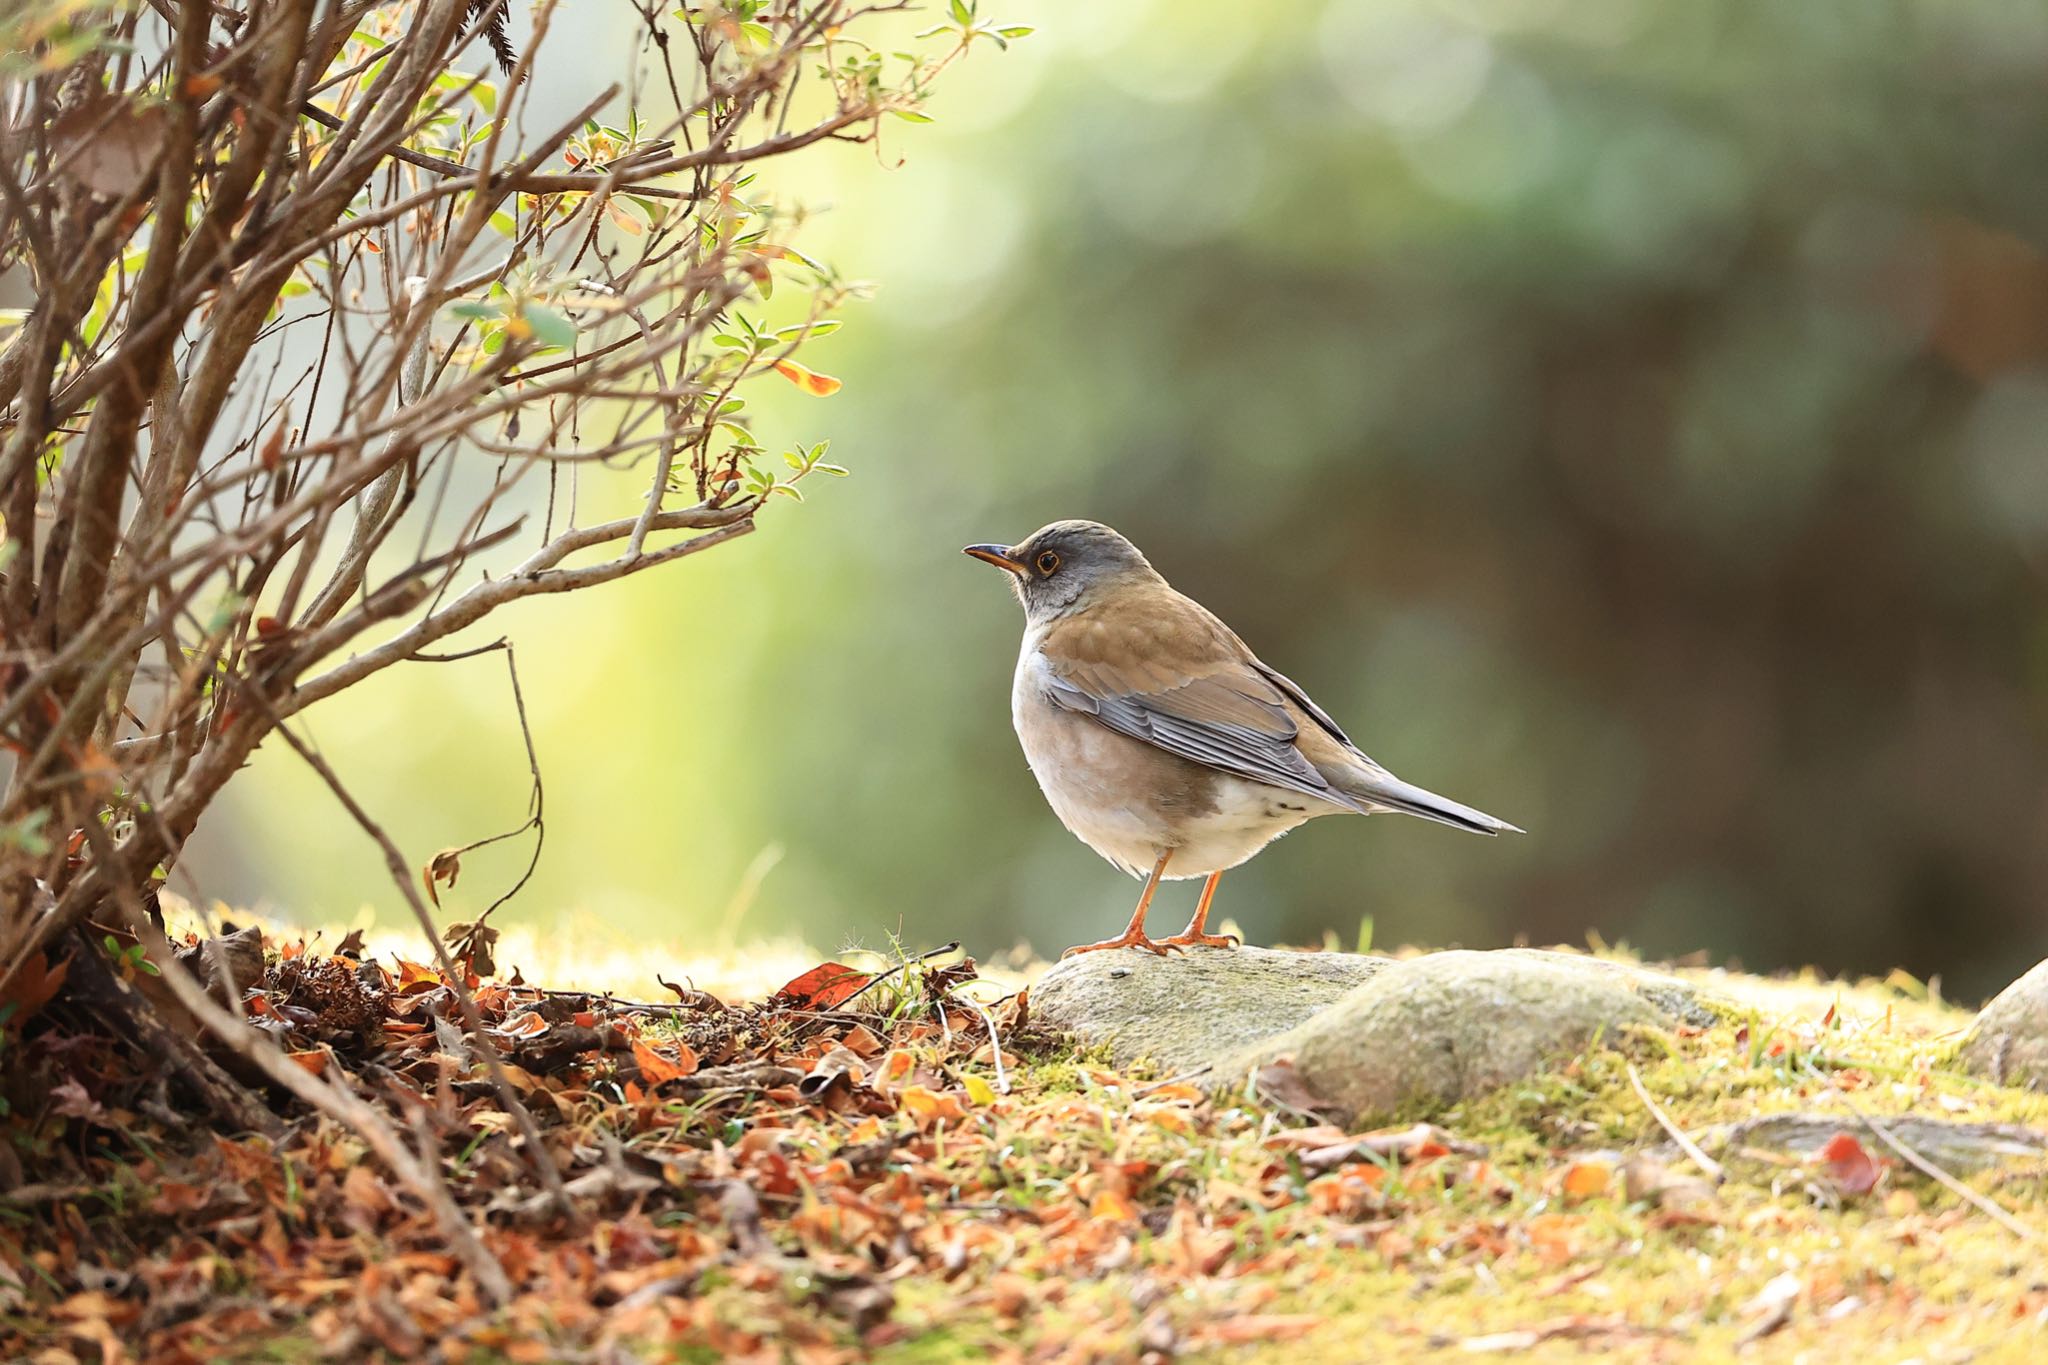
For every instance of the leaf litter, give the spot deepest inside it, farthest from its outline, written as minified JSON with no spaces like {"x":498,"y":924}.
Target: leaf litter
{"x":883,"y":1165}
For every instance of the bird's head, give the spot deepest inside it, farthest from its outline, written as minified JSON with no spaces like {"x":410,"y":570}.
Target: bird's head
{"x":1068,"y":565}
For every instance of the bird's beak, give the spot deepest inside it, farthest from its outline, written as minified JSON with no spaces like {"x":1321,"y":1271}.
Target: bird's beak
{"x":998,"y":555}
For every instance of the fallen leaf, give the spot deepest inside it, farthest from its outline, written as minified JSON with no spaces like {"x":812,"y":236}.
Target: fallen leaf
{"x":927,"y":1106}
{"x":823,"y":987}
{"x":1586,"y":1179}
{"x":1279,"y":1084}
{"x":1113,"y":1207}
{"x":655,"y":1068}
{"x":1850,"y":1165}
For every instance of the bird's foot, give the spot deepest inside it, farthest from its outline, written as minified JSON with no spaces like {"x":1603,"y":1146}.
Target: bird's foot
{"x":1132,"y":938}
{"x":1189,"y":939}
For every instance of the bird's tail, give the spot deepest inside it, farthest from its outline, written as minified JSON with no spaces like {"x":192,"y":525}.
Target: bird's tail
{"x":1381,"y":788}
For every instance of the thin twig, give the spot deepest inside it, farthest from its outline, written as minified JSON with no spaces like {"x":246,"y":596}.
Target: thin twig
{"x":899,"y":968}
{"x":542,"y":1160}
{"x":995,"y":1039}
{"x":1699,"y":1158}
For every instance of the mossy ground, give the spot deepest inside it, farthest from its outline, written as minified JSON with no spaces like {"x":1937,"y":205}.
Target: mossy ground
{"x":1463,"y":1259}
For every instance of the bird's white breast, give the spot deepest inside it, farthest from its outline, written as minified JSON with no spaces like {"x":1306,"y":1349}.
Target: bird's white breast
{"x":1091,"y":778}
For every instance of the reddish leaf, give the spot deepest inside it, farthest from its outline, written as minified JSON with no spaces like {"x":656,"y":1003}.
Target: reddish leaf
{"x":1850,"y":1165}
{"x":33,"y":985}
{"x":821,"y":988}
{"x":655,"y":1068}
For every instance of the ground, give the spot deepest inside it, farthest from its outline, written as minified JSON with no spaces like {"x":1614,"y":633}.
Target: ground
{"x":817,"y":1179}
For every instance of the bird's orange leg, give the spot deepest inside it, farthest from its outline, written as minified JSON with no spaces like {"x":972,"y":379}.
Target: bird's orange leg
{"x":1194,"y":934}
{"x":1133,"y":935}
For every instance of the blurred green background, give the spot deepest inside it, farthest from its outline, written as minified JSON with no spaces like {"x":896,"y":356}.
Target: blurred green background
{"x":1630,"y":419}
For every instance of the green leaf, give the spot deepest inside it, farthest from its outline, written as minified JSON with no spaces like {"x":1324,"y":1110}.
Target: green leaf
{"x":787,"y":491}
{"x":1017,"y":31}
{"x":962,"y":12}
{"x":912,"y":116}
{"x":475,"y":312}
{"x":486,"y":95}
{"x":550,"y":328}
{"x":505,"y":224}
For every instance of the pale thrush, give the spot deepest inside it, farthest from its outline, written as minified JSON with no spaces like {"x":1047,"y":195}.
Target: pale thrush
{"x":1159,"y":738}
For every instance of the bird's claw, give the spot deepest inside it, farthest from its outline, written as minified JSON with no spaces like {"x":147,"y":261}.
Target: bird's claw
{"x":1160,"y":946}
{"x":1179,"y":941}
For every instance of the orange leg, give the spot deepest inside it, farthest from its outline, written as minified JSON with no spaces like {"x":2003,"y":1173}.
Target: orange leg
{"x":1133,"y":935}
{"x":1193,"y":935}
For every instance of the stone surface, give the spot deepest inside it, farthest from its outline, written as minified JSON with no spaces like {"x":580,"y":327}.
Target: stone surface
{"x":1364,"y":1034}
{"x":1186,"y":1011}
{"x":1946,"y":1142}
{"x":2009,"y":1041}
{"x":1434,"y":1030}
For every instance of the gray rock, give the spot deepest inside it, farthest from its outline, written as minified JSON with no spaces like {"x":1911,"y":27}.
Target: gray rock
{"x":1946,"y":1142}
{"x":1360,"y":1034}
{"x":2008,"y":1043}
{"x":1183,"y":1012}
{"x":1451,"y":1026}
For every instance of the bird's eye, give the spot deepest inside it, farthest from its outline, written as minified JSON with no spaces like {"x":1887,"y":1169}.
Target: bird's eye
{"x":1047,"y":562}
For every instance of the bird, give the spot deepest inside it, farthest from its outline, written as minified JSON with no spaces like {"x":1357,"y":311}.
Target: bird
{"x":1160,"y":739}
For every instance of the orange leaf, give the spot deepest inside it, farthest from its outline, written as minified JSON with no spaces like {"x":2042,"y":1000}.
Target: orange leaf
{"x":810,"y":381}
{"x":928,"y":1106}
{"x":33,"y":985}
{"x":1850,"y":1165}
{"x":314,"y":1059}
{"x":655,"y":1068}
{"x":1114,"y":1207}
{"x":1584,"y":1179}
{"x":821,"y":988}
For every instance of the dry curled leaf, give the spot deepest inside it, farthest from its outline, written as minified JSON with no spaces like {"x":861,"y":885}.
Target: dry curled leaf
{"x":109,"y":145}
{"x":444,"y":866}
{"x":1850,"y":1165}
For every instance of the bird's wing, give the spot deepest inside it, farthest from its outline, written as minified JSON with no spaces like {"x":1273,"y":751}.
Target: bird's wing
{"x":1167,"y":672}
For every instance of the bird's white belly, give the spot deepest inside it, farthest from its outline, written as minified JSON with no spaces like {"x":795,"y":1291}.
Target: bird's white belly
{"x":1086,"y":771}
